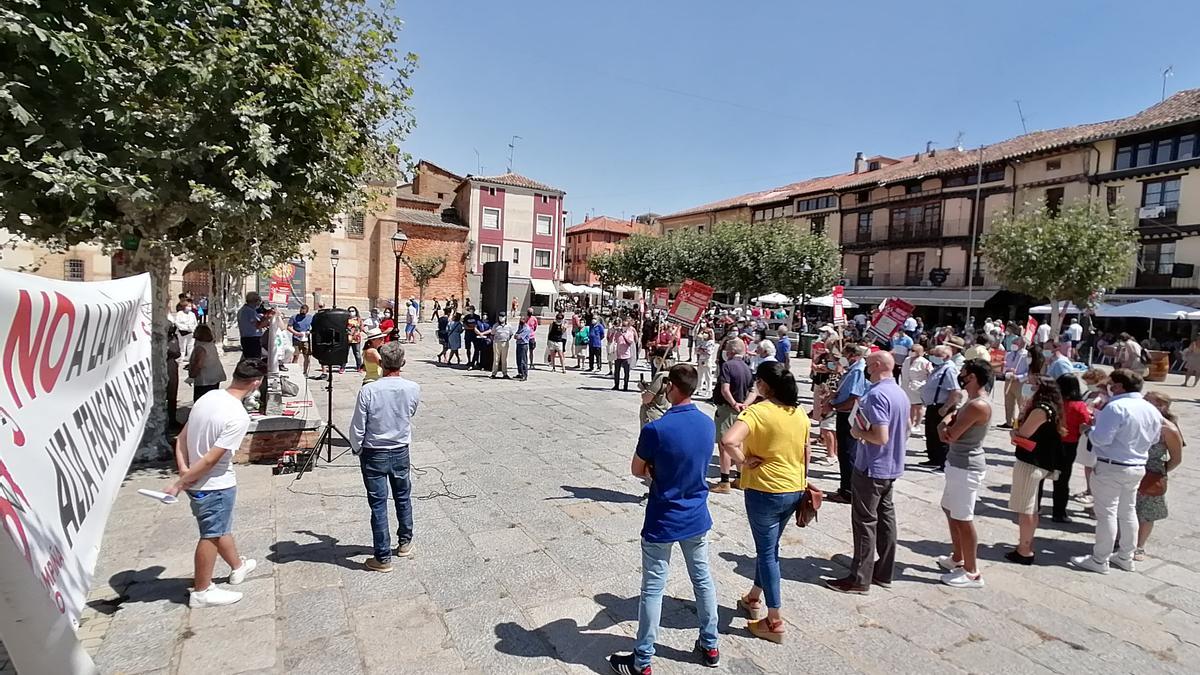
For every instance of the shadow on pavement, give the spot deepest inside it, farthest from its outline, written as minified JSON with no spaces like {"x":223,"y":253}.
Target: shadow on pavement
{"x":143,"y":586}
{"x":325,"y":550}
{"x":809,"y":569}
{"x":597,"y":494}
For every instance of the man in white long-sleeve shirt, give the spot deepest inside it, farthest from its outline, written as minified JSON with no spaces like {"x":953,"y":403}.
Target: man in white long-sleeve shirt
{"x":1123,"y":432}
{"x":380,"y":434}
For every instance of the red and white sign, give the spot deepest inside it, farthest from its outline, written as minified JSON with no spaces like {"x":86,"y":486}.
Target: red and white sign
{"x":1030,"y":328}
{"x":77,"y":389}
{"x":662,"y":298}
{"x":690,"y":302}
{"x":890,"y":318}
{"x":839,"y":312}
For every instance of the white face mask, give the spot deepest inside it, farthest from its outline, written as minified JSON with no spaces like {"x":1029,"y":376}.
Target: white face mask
{"x":845,"y":362}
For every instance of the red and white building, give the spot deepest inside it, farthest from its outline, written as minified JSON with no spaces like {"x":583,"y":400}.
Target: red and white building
{"x":519,"y":220}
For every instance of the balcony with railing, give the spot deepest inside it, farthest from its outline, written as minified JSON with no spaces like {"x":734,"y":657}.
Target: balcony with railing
{"x":1163,"y":278}
{"x":1157,"y":215}
{"x":905,"y":279}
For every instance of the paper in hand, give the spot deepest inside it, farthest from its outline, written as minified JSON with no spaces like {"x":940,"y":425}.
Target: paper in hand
{"x":158,"y":496}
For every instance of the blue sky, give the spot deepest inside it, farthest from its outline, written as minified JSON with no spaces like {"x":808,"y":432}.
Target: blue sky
{"x":665,"y":104}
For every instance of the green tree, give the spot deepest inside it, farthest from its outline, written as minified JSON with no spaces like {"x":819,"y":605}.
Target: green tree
{"x":607,"y":267}
{"x":646,"y":262}
{"x":424,"y":269}
{"x":1064,"y":256}
{"x":225,"y":131}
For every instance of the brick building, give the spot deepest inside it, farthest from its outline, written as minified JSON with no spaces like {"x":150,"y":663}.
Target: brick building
{"x":593,"y":237}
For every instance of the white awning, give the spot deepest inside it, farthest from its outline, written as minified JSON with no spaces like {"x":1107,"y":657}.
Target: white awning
{"x":543,"y":286}
{"x":921,"y":297}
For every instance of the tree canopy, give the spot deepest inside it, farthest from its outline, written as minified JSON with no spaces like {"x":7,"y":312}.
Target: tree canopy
{"x":1065,"y":256}
{"x":221,"y":131}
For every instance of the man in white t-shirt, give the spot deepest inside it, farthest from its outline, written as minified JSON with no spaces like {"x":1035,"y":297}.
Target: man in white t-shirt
{"x":204,"y":455}
{"x":1043,"y":334}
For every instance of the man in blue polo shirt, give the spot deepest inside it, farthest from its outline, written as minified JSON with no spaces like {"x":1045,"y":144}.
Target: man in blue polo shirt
{"x":674,"y":451}
{"x":852,"y":387}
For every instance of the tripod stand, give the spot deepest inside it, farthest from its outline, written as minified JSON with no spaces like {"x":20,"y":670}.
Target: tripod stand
{"x":326,"y":438}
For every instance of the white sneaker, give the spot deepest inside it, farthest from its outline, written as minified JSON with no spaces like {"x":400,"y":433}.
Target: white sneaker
{"x":239,"y":575}
{"x":1087,"y":562}
{"x":960,"y":579}
{"x":213,"y":596}
{"x":1126,"y":564}
{"x":948,"y":563}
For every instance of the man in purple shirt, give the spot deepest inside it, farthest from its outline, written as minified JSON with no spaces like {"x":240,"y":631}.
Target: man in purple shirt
{"x":880,"y":425}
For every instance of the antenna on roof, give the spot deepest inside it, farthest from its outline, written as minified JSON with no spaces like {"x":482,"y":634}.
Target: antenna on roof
{"x":1169,"y":72}
{"x":958,"y":141}
{"x":1024,"y":129}
{"x":478,"y":163}
{"x":512,"y":148}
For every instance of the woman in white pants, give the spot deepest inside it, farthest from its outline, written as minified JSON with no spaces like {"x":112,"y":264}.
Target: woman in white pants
{"x":186,"y":322}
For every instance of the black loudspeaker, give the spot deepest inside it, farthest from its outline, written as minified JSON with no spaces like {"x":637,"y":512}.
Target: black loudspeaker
{"x":493,"y":291}
{"x":330,"y":337}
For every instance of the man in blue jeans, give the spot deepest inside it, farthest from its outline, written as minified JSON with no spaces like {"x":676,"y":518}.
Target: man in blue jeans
{"x":380,"y":434}
{"x":673,"y":451}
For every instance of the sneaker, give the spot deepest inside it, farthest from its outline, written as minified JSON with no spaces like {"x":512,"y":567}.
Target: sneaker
{"x":959,"y":578}
{"x":375,"y":565}
{"x":622,"y":664}
{"x":882,"y":583}
{"x":721,"y":488}
{"x":213,"y":596}
{"x":1126,"y":564}
{"x":846,"y":585}
{"x":239,"y":575}
{"x":1139,"y":554}
{"x":709,"y":658}
{"x":404,"y":550}
{"x":948,"y":563}
{"x":1087,"y":562}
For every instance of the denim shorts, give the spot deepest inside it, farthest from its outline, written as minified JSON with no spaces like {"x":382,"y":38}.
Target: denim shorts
{"x":213,"y":510}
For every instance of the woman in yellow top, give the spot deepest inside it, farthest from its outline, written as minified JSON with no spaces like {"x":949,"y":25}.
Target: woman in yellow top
{"x":770,"y":442}
{"x":370,"y":355}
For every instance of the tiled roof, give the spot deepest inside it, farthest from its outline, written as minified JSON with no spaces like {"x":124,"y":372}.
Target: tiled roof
{"x":515,"y":180}
{"x":602,"y":224}
{"x":1181,"y":107}
{"x":446,"y":218}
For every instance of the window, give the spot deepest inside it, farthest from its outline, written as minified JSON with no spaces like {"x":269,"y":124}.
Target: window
{"x":759,"y":215}
{"x":912,"y":189}
{"x":914,"y":269}
{"x":73,"y":269}
{"x":491,"y":219}
{"x":354,"y":225}
{"x":863,"y":197}
{"x":1157,"y":258}
{"x":866,"y":270}
{"x":816,"y":203}
{"x":1161,"y":193}
{"x":516,"y":256}
{"x":817,"y":224}
{"x":1054,"y":199}
{"x":541,"y":258}
{"x":489,"y":254}
{"x":1160,"y":150}
{"x":441,"y":195}
{"x":1112,"y":196}
{"x":1053,"y":164}
{"x":916,"y":222}
{"x":491,"y":192}
{"x":544,"y":223}
{"x":873,"y":165}
{"x":700,"y":229}
{"x":971,"y":177}
{"x":864,"y":227}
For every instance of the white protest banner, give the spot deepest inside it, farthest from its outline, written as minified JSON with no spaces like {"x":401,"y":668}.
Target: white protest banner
{"x":73,"y":405}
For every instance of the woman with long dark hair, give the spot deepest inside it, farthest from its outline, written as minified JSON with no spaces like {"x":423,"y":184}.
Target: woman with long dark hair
{"x":770,"y":441}
{"x":1038,"y":441}
{"x":1075,"y":414}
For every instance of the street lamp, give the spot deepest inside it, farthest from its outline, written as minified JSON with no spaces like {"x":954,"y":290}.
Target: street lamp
{"x":333,"y":260}
{"x":806,"y":272}
{"x":399,"y":241}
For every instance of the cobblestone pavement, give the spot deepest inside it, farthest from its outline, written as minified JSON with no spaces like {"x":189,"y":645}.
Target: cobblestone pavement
{"x":537,"y":569}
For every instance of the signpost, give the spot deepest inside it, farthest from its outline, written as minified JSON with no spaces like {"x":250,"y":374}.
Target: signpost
{"x":690,"y":302}
{"x":839,"y":312}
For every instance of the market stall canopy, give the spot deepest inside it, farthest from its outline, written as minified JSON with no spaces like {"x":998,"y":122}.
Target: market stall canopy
{"x":1147,"y":309}
{"x":773,"y":299}
{"x":574,"y":288}
{"x":827,"y":301}
{"x":1047,"y":308}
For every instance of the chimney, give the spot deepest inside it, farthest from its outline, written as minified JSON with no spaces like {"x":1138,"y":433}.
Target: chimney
{"x":929,"y":148}
{"x":860,"y":164}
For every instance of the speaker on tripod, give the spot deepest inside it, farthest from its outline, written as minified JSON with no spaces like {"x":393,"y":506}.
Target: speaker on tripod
{"x":331,"y":337}
{"x":331,"y":345}
{"x":494,"y":289}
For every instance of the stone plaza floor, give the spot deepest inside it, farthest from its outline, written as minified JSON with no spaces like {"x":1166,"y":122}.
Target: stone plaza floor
{"x":527,"y":559}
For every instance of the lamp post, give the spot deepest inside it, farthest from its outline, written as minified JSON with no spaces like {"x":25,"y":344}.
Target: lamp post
{"x":399,"y":241}
{"x":333,"y":260}
{"x":806,"y":272}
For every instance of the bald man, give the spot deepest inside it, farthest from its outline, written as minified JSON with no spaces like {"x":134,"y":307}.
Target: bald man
{"x":881,"y":429}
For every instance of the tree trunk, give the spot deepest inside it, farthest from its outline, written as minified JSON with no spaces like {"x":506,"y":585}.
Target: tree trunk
{"x":1056,"y":317}
{"x":156,"y":261}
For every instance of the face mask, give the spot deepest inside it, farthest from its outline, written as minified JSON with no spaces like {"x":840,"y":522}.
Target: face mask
{"x":1026,"y":390}
{"x":936,"y":360}
{"x":844,"y":361}
{"x":1047,"y":353}
{"x":1014,"y":348}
